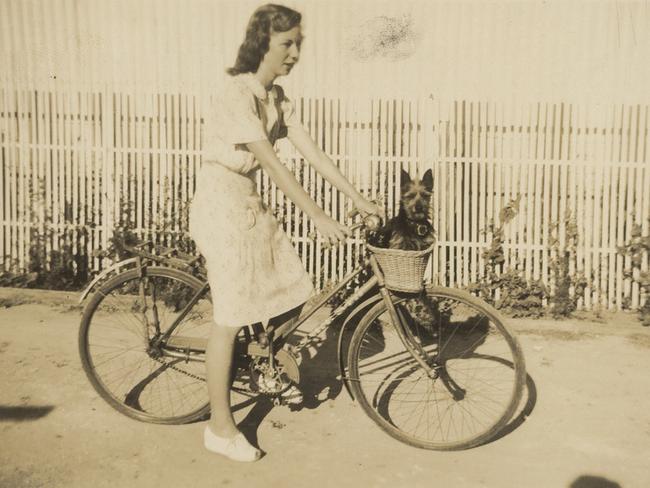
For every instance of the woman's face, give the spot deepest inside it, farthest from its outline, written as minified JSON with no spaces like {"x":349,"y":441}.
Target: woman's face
{"x":284,"y":51}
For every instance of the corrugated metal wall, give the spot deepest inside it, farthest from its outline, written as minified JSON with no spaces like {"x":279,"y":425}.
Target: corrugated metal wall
{"x":555,"y":50}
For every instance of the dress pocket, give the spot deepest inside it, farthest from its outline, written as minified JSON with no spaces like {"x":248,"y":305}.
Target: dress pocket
{"x":255,"y":208}
{"x":251,"y":218}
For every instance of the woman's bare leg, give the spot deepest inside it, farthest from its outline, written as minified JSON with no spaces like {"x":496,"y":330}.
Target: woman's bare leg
{"x":219,"y":364}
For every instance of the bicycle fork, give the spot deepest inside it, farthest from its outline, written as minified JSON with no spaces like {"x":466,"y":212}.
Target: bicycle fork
{"x":415,"y":350}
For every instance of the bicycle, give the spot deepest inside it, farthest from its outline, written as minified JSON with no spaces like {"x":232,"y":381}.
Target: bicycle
{"x":452,"y":384}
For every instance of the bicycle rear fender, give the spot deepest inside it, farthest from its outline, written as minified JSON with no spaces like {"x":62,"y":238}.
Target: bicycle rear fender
{"x":115,"y":268}
{"x":362,"y":307}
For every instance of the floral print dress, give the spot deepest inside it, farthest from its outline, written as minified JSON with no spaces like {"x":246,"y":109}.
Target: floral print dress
{"x":254,"y":271}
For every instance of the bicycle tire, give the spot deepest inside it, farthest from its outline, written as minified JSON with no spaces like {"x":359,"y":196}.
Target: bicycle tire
{"x":164,"y":390}
{"x":469,"y":344}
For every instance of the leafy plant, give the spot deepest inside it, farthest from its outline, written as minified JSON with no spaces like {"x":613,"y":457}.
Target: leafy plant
{"x":171,"y":226}
{"x":568,"y":286}
{"x":508,"y":290}
{"x":54,"y":261}
{"x":123,"y":235}
{"x":62,"y":269}
{"x":637,"y":250}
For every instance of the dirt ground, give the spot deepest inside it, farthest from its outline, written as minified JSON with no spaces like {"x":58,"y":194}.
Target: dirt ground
{"x":584,"y":423}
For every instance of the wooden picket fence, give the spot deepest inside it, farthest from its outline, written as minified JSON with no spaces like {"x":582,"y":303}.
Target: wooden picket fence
{"x":76,"y":165}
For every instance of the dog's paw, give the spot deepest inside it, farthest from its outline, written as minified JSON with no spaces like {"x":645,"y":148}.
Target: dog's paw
{"x":377,"y":238}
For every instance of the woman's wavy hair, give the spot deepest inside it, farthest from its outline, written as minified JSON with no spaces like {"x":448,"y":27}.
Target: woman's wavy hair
{"x":266,"y":19}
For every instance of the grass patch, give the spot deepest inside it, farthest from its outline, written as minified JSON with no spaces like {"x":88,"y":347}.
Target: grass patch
{"x":15,"y":300}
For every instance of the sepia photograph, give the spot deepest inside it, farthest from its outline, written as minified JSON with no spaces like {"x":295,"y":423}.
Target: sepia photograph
{"x":325,"y":243}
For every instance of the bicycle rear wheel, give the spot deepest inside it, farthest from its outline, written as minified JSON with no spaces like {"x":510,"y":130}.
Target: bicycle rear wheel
{"x":116,"y":350}
{"x":478,"y":364}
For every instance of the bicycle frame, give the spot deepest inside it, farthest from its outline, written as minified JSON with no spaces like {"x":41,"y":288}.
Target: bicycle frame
{"x":377,"y":279}
{"x":194,"y":348}
{"x":285,"y":330}
{"x":282,"y":332}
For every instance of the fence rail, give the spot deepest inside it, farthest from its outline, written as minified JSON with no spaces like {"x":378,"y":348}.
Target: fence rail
{"x":76,"y":165}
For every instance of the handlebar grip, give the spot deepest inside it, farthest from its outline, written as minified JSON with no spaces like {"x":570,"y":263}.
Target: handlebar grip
{"x":372,"y":222}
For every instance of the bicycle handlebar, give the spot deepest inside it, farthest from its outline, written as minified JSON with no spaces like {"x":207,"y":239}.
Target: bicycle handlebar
{"x":370,"y":222}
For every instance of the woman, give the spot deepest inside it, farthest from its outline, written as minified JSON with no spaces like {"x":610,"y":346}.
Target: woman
{"x":254,"y":272}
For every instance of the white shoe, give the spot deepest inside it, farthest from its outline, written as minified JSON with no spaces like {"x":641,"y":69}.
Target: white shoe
{"x":292,"y":395}
{"x":236,"y":448}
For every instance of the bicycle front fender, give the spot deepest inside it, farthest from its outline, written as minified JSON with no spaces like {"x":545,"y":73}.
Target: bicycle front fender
{"x":362,"y":307}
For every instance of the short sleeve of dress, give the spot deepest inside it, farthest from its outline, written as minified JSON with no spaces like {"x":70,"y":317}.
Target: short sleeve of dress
{"x":238,"y":120}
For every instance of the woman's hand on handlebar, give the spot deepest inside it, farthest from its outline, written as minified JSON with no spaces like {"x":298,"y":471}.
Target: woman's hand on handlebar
{"x":365,"y":208}
{"x":335,"y":233}
{"x":332,"y":231}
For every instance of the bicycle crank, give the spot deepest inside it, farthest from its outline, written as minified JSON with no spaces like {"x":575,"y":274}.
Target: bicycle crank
{"x":274,"y":381}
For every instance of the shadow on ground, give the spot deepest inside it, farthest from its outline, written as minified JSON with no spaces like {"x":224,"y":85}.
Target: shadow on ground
{"x":318,"y":381}
{"x":531,"y":401}
{"x":23,"y":413}
{"x":588,"y":481}
{"x":319,"y":370}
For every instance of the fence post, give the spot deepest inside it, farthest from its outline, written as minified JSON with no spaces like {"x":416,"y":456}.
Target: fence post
{"x":107,"y":182}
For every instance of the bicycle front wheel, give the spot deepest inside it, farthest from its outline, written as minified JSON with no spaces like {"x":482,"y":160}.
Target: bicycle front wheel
{"x":478,"y":379}
{"x":123,"y":364}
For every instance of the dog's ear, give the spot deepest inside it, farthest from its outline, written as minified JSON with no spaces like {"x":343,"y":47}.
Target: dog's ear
{"x":405,"y":178}
{"x":427,"y":180}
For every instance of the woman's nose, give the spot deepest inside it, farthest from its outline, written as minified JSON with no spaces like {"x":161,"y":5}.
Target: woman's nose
{"x":294,"y":52}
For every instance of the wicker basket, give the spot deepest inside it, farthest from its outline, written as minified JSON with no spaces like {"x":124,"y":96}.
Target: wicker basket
{"x":403,"y":270}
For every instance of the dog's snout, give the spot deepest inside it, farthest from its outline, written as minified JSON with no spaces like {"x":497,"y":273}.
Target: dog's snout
{"x":420,"y":207}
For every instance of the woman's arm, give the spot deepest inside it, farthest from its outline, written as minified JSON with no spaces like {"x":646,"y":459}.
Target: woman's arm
{"x":326,"y":167}
{"x":329,"y":228}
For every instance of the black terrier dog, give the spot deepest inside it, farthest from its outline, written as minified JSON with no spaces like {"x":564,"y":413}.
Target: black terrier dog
{"x":411,"y":229}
